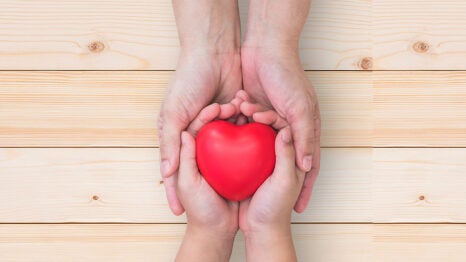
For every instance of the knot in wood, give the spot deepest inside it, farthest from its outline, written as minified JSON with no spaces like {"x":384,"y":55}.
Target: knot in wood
{"x":366,"y":63}
{"x":96,"y":47}
{"x":421,"y":47}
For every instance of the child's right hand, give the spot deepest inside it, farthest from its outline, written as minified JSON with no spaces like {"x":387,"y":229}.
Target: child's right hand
{"x":265,"y":217}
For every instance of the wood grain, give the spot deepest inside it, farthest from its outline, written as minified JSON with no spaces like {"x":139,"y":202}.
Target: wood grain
{"x":339,"y":34}
{"x":419,"y":35}
{"x":65,"y":183}
{"x":112,"y":34}
{"x":83,"y":109}
{"x":355,"y":185}
{"x":419,"y":185}
{"x":80,"y":108}
{"x":425,"y":109}
{"x":336,"y":242}
{"x":359,"y":109}
{"x":161,"y":242}
{"x":418,"y":242}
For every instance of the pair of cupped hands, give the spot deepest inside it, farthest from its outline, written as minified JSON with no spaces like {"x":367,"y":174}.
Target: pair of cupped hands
{"x":261,"y":85}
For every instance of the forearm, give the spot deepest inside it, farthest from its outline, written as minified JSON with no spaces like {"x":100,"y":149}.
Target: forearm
{"x":273,"y":244}
{"x":202,"y":246}
{"x":276,"y":23}
{"x":210,"y":25}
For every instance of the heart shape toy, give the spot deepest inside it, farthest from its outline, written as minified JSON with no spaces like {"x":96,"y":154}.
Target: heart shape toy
{"x":235,"y":160}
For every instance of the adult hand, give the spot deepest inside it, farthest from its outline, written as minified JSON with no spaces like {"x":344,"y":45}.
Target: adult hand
{"x":275,"y":79}
{"x":209,"y":70}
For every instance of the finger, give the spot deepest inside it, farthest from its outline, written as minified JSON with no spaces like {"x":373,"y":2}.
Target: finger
{"x":169,"y":137}
{"x":188,"y":172}
{"x":308,"y":185}
{"x":227,"y":111}
{"x":243,"y":95}
{"x":236,"y":102}
{"x":285,"y":155}
{"x":306,"y":191}
{"x":206,"y":115}
{"x":170,"y":190}
{"x":302,"y":127}
{"x":248,"y":108}
{"x":270,"y":118}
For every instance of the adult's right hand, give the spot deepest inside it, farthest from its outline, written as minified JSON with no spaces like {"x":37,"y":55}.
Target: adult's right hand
{"x":202,"y":77}
{"x":208,"y":71}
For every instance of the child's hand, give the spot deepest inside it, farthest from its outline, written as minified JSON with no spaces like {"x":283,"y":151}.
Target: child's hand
{"x":212,"y":220}
{"x":265,"y":218}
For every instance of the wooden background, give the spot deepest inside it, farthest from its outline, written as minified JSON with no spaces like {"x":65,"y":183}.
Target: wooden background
{"x":81,"y":83}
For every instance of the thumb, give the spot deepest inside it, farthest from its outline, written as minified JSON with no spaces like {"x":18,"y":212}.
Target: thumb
{"x":188,"y":165}
{"x":170,"y":141}
{"x":302,"y":127}
{"x":285,"y":155}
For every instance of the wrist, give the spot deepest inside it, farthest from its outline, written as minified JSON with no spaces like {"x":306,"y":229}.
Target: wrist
{"x":261,"y":39}
{"x":202,"y":245}
{"x":212,"y":26}
{"x":272,"y":243}
{"x":221,"y":236}
{"x":218,"y":242}
{"x":259,"y":233}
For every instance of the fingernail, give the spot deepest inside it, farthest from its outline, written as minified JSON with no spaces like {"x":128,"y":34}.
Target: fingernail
{"x":307,"y":163}
{"x":165,"y":168}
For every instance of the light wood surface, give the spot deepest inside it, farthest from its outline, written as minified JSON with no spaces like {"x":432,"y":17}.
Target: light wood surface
{"x":355,"y":185}
{"x":126,"y":182}
{"x":418,"y":35}
{"x":141,"y":34}
{"x":79,"y":163}
{"x":318,"y":242}
{"x":361,"y":109}
{"x":160,"y":242}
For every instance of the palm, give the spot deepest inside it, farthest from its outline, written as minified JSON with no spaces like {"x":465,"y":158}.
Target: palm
{"x":215,"y":209}
{"x":261,"y":206}
{"x":200,"y":81}
{"x":276,"y":80}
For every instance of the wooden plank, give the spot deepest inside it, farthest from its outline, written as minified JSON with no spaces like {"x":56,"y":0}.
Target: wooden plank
{"x":363,"y":109}
{"x":86,"y":35}
{"x":413,"y":185}
{"x":80,"y":108}
{"x":141,"y":34}
{"x":419,"y":35}
{"x":314,"y":242}
{"x":123,"y":185}
{"x":161,"y":242}
{"x":421,"y":109}
{"x":418,"y":242}
{"x":76,"y":109}
{"x":339,"y":34}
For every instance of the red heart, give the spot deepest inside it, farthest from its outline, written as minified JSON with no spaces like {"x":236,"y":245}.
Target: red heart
{"x":235,"y":160}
